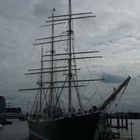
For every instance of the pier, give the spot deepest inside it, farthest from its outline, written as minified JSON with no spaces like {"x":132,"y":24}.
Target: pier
{"x":120,"y":121}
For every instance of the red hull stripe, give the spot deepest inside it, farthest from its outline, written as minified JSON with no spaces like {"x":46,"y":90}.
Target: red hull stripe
{"x":34,"y":136}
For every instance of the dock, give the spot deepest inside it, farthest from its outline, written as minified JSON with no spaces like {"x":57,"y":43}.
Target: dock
{"x":121,"y":121}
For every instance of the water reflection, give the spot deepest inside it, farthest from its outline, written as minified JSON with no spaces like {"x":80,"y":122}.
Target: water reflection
{"x":17,"y":131}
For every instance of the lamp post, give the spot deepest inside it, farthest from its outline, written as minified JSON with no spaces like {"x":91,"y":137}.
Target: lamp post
{"x":131,"y":125}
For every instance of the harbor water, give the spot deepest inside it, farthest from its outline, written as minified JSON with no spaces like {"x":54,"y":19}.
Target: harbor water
{"x":19,"y":131}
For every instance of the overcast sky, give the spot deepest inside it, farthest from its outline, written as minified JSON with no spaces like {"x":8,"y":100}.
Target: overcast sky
{"x":115,"y":32}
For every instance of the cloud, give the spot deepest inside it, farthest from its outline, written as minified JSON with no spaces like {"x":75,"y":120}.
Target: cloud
{"x":111,"y":78}
{"x":138,"y":75}
{"x":44,"y":8}
{"x":116,"y":28}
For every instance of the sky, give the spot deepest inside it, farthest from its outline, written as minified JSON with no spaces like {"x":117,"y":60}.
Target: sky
{"x":115,"y":32}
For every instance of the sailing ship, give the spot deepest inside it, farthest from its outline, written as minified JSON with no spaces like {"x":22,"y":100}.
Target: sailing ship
{"x":50,"y":119}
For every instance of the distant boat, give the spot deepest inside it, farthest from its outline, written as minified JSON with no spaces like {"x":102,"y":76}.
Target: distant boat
{"x":48,"y":120}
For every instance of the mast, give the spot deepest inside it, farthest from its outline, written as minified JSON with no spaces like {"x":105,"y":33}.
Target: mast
{"x":70,"y":32}
{"x":41,"y":83}
{"x":52,"y":65}
{"x":70,"y":79}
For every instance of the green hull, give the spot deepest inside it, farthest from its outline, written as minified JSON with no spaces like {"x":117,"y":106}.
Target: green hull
{"x":81,"y":127}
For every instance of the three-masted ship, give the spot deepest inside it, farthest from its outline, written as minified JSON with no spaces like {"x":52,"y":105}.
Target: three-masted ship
{"x":49,"y":118}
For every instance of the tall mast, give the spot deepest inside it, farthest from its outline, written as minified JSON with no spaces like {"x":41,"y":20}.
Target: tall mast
{"x":70,"y":79}
{"x":41,"y":82}
{"x":70,"y":32}
{"x":52,"y":65}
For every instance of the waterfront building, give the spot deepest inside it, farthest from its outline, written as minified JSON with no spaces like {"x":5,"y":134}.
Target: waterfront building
{"x":2,"y":104}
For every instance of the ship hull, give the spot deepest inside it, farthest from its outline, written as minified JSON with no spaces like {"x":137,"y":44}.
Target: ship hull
{"x":69,"y":128}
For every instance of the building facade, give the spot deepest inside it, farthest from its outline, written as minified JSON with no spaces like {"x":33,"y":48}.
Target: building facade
{"x":2,"y":104}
